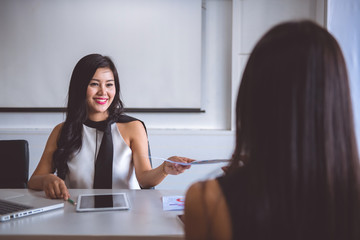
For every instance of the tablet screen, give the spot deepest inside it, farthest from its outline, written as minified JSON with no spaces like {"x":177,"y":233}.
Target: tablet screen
{"x":101,"y":202}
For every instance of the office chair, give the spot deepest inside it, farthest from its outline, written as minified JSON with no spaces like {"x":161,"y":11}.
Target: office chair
{"x":149,"y":152}
{"x":14,"y":163}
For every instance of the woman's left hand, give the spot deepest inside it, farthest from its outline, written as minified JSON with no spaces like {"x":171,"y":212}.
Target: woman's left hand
{"x":174,"y":168}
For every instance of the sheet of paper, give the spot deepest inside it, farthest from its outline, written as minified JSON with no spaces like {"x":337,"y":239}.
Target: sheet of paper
{"x":211,"y":161}
{"x":173,"y":203}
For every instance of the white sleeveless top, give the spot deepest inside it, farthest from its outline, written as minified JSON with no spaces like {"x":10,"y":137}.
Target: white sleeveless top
{"x":82,"y":165}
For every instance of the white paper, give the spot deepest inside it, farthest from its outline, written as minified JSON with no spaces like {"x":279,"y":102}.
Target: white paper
{"x":173,"y":203}
{"x":210,"y":161}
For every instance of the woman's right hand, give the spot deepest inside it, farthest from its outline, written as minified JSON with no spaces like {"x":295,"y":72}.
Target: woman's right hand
{"x":54,"y":187}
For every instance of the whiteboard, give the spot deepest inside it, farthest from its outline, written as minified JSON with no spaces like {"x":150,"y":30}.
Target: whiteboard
{"x":155,"y":44}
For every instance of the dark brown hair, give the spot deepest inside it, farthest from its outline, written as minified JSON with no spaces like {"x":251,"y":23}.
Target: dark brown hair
{"x":295,"y":137}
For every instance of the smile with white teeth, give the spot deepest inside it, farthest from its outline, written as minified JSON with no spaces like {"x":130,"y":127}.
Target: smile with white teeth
{"x":101,"y":100}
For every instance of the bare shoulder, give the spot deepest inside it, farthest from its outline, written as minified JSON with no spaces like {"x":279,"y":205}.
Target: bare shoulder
{"x":132,"y":126}
{"x":193,"y":194}
{"x":58,"y":128}
{"x":55,"y":133}
{"x":45,"y":163}
{"x":208,"y":191}
{"x":206,"y":212}
{"x":131,"y":131}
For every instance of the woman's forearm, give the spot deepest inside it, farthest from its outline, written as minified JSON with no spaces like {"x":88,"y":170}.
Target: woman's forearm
{"x":152,"y":177}
{"x":36,"y":182}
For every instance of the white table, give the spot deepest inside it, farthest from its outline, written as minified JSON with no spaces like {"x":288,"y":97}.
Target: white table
{"x":145,"y":220}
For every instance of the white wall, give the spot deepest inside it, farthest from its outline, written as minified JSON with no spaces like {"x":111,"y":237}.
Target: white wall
{"x":252,"y":18}
{"x":344,"y":24}
{"x":230,"y":29}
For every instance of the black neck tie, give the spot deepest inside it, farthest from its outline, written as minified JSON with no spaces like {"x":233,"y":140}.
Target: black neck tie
{"x":104,"y":160}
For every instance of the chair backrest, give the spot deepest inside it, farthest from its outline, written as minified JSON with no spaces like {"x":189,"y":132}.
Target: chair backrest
{"x":14,"y":163}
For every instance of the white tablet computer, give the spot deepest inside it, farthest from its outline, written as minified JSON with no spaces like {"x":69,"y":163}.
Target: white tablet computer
{"x":102,"y":202}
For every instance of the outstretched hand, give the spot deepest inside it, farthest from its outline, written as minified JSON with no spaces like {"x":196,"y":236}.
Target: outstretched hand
{"x":175,"y":169}
{"x":54,"y":187}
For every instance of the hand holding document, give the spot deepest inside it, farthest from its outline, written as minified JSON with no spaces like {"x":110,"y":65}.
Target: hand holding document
{"x":194,"y":162}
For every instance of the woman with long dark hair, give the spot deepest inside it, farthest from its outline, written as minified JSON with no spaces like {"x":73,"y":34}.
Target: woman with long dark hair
{"x":97,"y":146}
{"x":295,"y":168}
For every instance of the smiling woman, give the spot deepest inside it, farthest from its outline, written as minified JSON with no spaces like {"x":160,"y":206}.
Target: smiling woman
{"x":97,"y":146}
{"x":100,"y":94}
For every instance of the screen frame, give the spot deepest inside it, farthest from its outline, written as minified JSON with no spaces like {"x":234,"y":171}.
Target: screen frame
{"x":79,"y":207}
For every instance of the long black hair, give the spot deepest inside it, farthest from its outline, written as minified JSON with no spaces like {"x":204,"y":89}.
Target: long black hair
{"x":295,"y":139}
{"x":70,"y":137}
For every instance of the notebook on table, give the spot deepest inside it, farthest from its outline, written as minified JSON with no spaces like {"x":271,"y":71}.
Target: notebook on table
{"x":15,"y":205}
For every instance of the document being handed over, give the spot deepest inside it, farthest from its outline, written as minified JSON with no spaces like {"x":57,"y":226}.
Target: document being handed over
{"x":211,"y":161}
